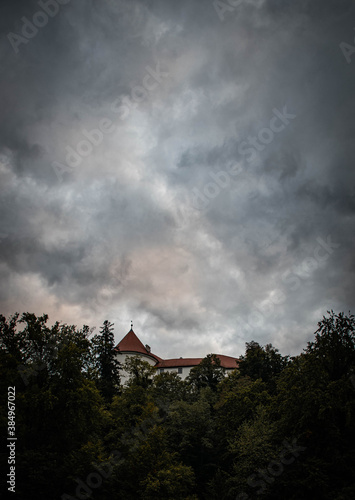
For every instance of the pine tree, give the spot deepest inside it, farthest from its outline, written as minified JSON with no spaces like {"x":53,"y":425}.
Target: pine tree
{"x":106,"y":362}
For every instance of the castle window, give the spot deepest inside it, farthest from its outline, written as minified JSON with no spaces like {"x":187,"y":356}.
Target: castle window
{"x":161,"y":370}
{"x":179,"y":369}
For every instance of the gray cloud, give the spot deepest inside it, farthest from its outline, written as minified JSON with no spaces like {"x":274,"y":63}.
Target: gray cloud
{"x":166,"y":219}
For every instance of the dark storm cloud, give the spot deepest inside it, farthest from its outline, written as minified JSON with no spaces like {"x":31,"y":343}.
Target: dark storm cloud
{"x":167,"y":218}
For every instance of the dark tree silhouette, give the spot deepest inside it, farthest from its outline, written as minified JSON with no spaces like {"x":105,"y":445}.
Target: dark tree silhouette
{"x":207,"y":374}
{"x":334,"y":345}
{"x":107,"y":364}
{"x":262,"y":362}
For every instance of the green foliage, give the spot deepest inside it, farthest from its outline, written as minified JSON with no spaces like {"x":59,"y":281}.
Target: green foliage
{"x":173,"y":482}
{"x":252,"y":447}
{"x":262,"y":362}
{"x":107,"y":364}
{"x":334,"y":345}
{"x":10,"y":342}
{"x":239,"y":402}
{"x":209,"y":437}
{"x":207,"y":374}
{"x":140,"y":372}
{"x":191,"y":431}
{"x":168,"y":387}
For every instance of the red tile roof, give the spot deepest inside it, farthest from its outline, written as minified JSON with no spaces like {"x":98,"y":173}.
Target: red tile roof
{"x":226,"y":362}
{"x":131,"y":343}
{"x":173,"y":363}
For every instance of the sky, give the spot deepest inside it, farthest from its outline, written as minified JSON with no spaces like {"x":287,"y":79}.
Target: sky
{"x":186,"y":165}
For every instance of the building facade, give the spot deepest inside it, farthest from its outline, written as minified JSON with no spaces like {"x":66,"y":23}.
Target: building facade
{"x":130,"y":346}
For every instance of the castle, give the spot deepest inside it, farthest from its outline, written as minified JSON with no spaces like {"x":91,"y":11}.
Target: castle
{"x":130,"y":345}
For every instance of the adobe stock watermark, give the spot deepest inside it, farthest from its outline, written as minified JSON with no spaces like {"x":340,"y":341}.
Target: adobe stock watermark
{"x":267,"y":235}
{"x":347,"y":50}
{"x":139,"y":93}
{"x":248,"y":148}
{"x":274,"y":469}
{"x":92,"y":138}
{"x":121,"y":106}
{"x":228,"y":6}
{"x":29,"y":29}
{"x":292,"y":280}
{"x":95,"y":479}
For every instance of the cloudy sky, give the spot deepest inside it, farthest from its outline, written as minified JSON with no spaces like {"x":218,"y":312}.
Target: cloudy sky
{"x":185,"y":164}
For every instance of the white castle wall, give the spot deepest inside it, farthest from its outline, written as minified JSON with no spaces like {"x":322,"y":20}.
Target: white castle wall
{"x":122,"y":357}
{"x":183,"y":372}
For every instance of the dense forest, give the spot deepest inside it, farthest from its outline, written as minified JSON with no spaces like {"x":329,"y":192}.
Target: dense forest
{"x":275,"y":428}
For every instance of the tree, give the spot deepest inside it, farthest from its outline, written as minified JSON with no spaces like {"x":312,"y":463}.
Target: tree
{"x":150,"y":470}
{"x":140,"y":372}
{"x":58,"y":410}
{"x":252,"y":448}
{"x":238,"y":402}
{"x":207,"y":374}
{"x":11,"y":356}
{"x":168,"y":387}
{"x":9,"y":340}
{"x":315,"y":403}
{"x":191,"y":432}
{"x":334,"y":345}
{"x":108,"y":365}
{"x":280,"y":431}
{"x":262,"y":362}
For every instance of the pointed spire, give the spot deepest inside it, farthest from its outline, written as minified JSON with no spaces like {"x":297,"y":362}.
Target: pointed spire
{"x":131,"y":325}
